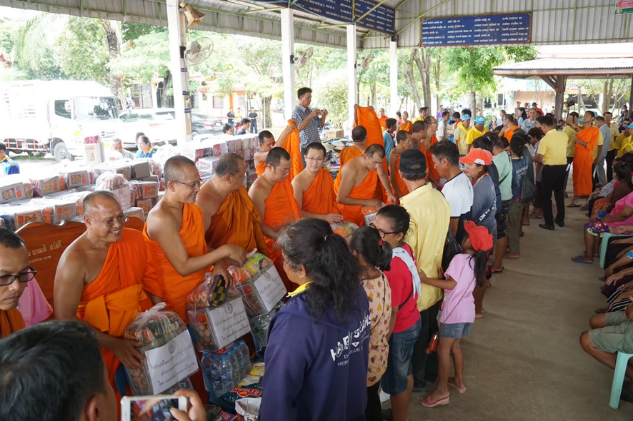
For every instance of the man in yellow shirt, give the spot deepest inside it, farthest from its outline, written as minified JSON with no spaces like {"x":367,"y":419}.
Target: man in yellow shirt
{"x":552,"y":154}
{"x":626,"y":141}
{"x":424,"y":112}
{"x":570,"y":130}
{"x":476,"y":132}
{"x":460,"y":135}
{"x":430,"y":217}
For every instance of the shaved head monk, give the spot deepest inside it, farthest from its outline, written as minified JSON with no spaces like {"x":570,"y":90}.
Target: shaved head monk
{"x":267,"y":142}
{"x":356,"y":184}
{"x":403,"y":140}
{"x":359,"y":136}
{"x":228,"y":211}
{"x":430,"y":139}
{"x":274,"y":198}
{"x":314,"y":187}
{"x":89,"y":286}
{"x":586,"y":140}
{"x":175,"y":231}
{"x":15,"y":272}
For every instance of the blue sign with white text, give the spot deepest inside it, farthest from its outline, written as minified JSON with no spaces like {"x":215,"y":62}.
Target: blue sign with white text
{"x":477,"y":30}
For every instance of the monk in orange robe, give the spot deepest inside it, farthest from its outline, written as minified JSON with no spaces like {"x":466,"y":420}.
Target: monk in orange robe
{"x":403,"y":143}
{"x":406,"y":125}
{"x":359,"y":136}
{"x":267,"y":142}
{"x":228,"y":211}
{"x":105,"y":278}
{"x":586,"y":141}
{"x":356,"y":184}
{"x":14,"y":264}
{"x":366,"y":117}
{"x":314,"y":188}
{"x":273,"y":196}
{"x":508,"y":127}
{"x":383,"y":119}
{"x":431,"y":129}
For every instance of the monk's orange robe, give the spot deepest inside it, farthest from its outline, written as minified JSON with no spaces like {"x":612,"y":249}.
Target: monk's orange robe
{"x":260,"y":168}
{"x":347,"y":154}
{"x":399,"y":181}
{"x":509,"y":133}
{"x":320,"y":198}
{"x":430,"y":166}
{"x":365,"y":190}
{"x":583,"y":161}
{"x":383,"y":122}
{"x":292,"y":145}
{"x":10,"y":321}
{"x":407,"y":127}
{"x":112,"y":301}
{"x":237,"y":222}
{"x":369,"y":120}
{"x":281,"y":210}
{"x":175,"y":288}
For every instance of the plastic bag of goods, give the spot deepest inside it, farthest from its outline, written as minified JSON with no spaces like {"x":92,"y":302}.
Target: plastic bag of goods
{"x":260,"y":325}
{"x":134,"y":212}
{"x":15,"y":217}
{"x":143,"y":168}
{"x":54,"y":211}
{"x":248,"y":408}
{"x":369,"y":213}
{"x":145,"y":189}
{"x":170,"y":356}
{"x":118,"y":185}
{"x":344,"y":229}
{"x":46,"y":183}
{"x":259,"y":284}
{"x":215,"y":327}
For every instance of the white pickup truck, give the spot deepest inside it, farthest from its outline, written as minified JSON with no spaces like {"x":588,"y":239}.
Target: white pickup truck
{"x":57,"y":116}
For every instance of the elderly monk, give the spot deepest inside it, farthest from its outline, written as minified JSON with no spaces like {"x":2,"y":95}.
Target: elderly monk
{"x":175,"y":233}
{"x":359,"y":136}
{"x":405,"y":125}
{"x":273,"y":196}
{"x":267,"y":142}
{"x":314,"y":188}
{"x":403,"y":140}
{"x":15,"y":272}
{"x":356,"y":184}
{"x":228,"y":211}
{"x":102,"y":279}
{"x":586,"y":141}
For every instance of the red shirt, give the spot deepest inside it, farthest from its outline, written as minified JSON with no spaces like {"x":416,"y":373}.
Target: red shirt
{"x":401,"y":283}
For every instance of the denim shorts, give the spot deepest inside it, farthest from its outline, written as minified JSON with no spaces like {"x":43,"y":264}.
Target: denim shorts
{"x":455,"y":330}
{"x":399,"y":365}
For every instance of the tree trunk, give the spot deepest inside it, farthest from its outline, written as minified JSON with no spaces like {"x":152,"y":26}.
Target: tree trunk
{"x":606,"y":95}
{"x":408,"y":74}
{"x":423,"y":63}
{"x":437,"y":74}
{"x":113,"y":39}
{"x":268,"y":120}
{"x":473,"y":98}
{"x":373,"y":95}
{"x":581,"y":104}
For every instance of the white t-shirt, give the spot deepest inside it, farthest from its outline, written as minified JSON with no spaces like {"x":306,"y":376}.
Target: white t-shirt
{"x":459,"y":195}
{"x":441,"y":130}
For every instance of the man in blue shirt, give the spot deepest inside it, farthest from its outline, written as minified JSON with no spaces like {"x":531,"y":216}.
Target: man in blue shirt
{"x":387,"y":136}
{"x":310,"y":121}
{"x":7,"y":165}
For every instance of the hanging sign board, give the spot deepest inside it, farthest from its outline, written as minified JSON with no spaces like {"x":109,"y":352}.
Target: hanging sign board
{"x":623,"y":6}
{"x":462,"y":31}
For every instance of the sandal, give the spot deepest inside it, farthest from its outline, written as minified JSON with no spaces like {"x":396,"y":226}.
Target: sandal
{"x":451,"y":382}
{"x":573,"y":205}
{"x":428,"y":403}
{"x":581,"y":259}
{"x":497,"y":271}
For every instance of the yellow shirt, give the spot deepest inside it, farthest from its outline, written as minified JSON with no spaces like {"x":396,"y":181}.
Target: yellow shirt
{"x":600,"y":143}
{"x":626,"y":146}
{"x":430,"y":217}
{"x":473,"y":134}
{"x":418,"y":119}
{"x":614,"y":133}
{"x":553,"y":147}
{"x":460,"y":139}
{"x":571,"y":145}
{"x":618,"y":140}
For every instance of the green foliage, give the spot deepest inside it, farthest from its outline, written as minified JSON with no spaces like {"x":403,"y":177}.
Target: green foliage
{"x":330,"y":92}
{"x":131,"y":31}
{"x":7,"y":34}
{"x":148,"y":58}
{"x":82,"y":52}
{"x":34,"y":54}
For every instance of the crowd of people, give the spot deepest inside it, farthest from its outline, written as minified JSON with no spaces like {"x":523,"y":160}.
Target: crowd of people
{"x":437,"y":215}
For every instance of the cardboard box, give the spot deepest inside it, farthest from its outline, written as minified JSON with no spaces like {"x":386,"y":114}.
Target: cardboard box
{"x":76,"y":178}
{"x":230,"y":144}
{"x":194,"y":151}
{"x":141,"y":169}
{"x":145,"y":204}
{"x":11,"y":192}
{"x":247,"y":155}
{"x":135,"y":212}
{"x":334,"y":134}
{"x":208,"y":163}
{"x":145,"y":189}
{"x":45,"y":184}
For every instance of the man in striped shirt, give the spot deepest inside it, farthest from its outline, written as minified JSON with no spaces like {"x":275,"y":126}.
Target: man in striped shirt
{"x":309,"y":120}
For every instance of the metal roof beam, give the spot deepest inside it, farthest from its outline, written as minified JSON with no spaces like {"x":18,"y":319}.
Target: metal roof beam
{"x":421,"y":16}
{"x":549,"y":81}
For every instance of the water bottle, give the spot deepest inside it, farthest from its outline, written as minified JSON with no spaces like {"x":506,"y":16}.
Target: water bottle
{"x":246,"y":355}
{"x":235,"y":368}
{"x":216,"y":376}
{"x":240,"y":360}
{"x":226,"y":374}
{"x":205,"y":362}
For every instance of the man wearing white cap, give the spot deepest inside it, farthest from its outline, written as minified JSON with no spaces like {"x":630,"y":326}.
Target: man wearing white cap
{"x":476,"y":132}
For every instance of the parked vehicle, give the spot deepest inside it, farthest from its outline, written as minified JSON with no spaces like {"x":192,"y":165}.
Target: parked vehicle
{"x":56,"y":116}
{"x":202,"y":124}
{"x":158,"y":124}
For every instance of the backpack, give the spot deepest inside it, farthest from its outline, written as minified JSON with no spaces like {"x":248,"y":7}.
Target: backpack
{"x":528,"y":191}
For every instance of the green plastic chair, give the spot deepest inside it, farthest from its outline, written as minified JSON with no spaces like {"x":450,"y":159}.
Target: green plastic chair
{"x":604,"y":244}
{"x":618,"y":378}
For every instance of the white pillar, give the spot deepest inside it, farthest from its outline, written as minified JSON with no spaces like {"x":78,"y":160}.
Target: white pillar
{"x":393,"y":78}
{"x":351,"y":72}
{"x":178,"y":66}
{"x":287,"y":52}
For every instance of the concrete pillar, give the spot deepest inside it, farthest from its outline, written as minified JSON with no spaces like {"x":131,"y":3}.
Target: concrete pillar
{"x":351,"y":72}
{"x":288,"y":52}
{"x":178,"y":66}
{"x":559,"y":100}
{"x":393,"y":78}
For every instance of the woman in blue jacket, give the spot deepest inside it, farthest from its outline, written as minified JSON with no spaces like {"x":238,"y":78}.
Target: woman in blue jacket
{"x":317,"y":353}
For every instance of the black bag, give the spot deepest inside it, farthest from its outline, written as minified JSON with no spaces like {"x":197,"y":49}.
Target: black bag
{"x":451,"y":249}
{"x":528,"y":191}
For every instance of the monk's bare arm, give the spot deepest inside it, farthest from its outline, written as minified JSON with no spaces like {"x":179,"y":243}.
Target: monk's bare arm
{"x":67,"y":290}
{"x":392,"y":173}
{"x":347,"y":183}
{"x":297,"y":191}
{"x":204,"y":203}
{"x":282,"y":137}
{"x":257,"y":196}
{"x":260,"y":157}
{"x":162,"y":228}
{"x":384,"y":179}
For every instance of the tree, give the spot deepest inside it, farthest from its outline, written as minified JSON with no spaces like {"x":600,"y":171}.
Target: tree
{"x":331,"y":92}
{"x":131,"y":31}
{"x":34,"y":55}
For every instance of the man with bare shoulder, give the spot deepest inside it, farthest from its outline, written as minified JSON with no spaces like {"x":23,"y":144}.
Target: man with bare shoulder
{"x":105,"y":278}
{"x":267,"y":142}
{"x":228,"y":211}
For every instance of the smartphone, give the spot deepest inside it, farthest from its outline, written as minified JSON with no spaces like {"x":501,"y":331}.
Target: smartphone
{"x":151,"y":408}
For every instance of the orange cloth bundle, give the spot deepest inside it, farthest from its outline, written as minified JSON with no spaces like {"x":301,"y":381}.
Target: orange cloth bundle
{"x":407,"y":127}
{"x":292,"y":145}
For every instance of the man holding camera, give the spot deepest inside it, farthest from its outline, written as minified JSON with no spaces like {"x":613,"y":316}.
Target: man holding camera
{"x":310,"y":121}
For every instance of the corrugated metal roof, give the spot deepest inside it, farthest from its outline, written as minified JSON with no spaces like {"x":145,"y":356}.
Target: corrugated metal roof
{"x":573,"y":67}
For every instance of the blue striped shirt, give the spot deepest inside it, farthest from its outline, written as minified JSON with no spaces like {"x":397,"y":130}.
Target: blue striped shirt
{"x":311,"y":132}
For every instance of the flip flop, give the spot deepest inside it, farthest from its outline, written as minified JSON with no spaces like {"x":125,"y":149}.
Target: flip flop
{"x":427,"y":403}
{"x":450,"y":383}
{"x":580,"y":259}
{"x":497,"y":271}
{"x":573,"y":205}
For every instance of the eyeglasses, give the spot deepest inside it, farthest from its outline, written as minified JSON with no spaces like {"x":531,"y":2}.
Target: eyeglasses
{"x":314,"y":159}
{"x":381,"y":232}
{"x":192,"y":186}
{"x":122,"y":219}
{"x":26,"y":276}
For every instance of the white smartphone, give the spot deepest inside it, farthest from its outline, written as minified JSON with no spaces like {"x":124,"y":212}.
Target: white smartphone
{"x":151,"y":408}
